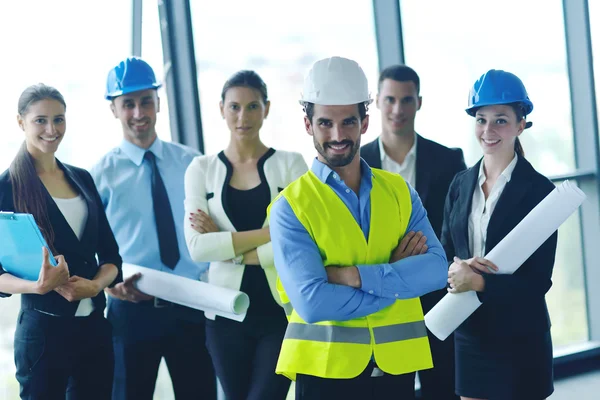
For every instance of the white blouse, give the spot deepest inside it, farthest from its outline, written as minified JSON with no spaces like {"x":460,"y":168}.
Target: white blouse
{"x":75,"y":212}
{"x":482,"y":209}
{"x":205,"y":179}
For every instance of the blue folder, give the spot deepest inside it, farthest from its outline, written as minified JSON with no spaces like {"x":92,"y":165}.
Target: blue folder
{"x":21,"y":243}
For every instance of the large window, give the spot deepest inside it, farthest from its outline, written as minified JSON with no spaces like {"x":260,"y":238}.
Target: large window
{"x":280,"y":41}
{"x":451,"y":53}
{"x":594,"y":12}
{"x":152,"y":53}
{"x":43,"y":42}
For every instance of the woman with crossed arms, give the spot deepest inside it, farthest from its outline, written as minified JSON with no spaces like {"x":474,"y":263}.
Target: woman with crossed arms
{"x":227,"y":196}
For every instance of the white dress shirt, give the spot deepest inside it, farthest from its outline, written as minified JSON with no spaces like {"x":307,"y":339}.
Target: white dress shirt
{"x":482,"y":209}
{"x":75,"y":212}
{"x":407,"y":169}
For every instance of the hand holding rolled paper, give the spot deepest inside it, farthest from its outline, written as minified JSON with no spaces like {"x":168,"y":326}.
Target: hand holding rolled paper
{"x":221,"y":301}
{"x":466,"y":275}
{"x":509,"y":255}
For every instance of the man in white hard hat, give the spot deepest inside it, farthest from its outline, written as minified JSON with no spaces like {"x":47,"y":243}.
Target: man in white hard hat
{"x":354,"y":251}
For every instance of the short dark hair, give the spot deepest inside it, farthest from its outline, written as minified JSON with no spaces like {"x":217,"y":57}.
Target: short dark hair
{"x":309,"y":109}
{"x":400,"y":73}
{"x":246,"y":78}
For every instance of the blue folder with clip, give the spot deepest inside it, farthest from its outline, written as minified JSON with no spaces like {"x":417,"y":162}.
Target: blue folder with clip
{"x":21,"y":243}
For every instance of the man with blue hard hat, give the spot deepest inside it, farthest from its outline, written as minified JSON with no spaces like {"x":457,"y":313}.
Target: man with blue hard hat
{"x":141,"y":183}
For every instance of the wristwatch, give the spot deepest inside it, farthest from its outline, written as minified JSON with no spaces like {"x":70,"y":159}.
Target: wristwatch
{"x":239,"y":260}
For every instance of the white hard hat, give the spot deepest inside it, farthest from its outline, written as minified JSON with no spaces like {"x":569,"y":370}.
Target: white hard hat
{"x":336,"y":81}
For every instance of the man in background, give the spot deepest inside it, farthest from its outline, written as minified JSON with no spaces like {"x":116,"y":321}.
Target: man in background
{"x":429,"y":167}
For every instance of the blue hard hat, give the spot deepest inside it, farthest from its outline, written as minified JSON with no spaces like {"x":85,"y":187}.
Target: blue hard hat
{"x":131,"y":75}
{"x":498,"y":87}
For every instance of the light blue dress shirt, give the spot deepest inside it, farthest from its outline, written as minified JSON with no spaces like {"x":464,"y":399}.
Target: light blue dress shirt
{"x":123,"y":179}
{"x":304,"y":277}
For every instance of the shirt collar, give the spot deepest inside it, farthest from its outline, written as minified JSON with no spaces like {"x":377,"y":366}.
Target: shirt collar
{"x":411,"y":153}
{"x":324,"y":172}
{"x":136,"y":153}
{"x":506,"y":174}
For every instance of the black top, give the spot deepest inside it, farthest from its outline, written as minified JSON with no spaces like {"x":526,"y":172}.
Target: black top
{"x":513,"y":305}
{"x":248,"y":211}
{"x":97,"y":240}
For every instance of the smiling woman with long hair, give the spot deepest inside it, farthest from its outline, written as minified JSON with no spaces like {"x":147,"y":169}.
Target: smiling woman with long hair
{"x":63,"y":343}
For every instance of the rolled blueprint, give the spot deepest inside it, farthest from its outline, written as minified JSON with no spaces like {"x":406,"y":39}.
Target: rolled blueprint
{"x":218,"y":300}
{"x":509,"y":254}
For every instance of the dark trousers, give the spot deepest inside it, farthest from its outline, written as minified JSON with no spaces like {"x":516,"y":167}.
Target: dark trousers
{"x":63,"y":357}
{"x":438,"y":383}
{"x":144,"y":335}
{"x":245,"y":356}
{"x":363,"y":387}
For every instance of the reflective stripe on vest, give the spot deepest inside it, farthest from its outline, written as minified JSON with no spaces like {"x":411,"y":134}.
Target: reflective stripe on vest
{"x":345,"y":334}
{"x":394,"y":333}
{"x":288,"y":308}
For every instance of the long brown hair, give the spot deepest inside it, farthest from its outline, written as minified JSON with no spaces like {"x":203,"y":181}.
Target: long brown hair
{"x":28,"y":190}
{"x":520,"y":112}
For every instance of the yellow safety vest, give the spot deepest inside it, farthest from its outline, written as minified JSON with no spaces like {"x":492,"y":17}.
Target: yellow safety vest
{"x":396,"y":335}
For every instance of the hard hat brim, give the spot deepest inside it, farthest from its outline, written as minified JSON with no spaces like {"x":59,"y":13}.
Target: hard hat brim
{"x":132,"y":89}
{"x":473,"y":110}
{"x":323,"y":103}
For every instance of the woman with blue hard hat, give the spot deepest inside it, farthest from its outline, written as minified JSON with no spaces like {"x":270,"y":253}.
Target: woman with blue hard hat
{"x":504,"y":349}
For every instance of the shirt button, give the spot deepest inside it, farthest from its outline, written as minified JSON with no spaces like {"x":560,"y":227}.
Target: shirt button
{"x":396,"y":294}
{"x":347,"y":190}
{"x":370,"y":292}
{"x":335,"y":176}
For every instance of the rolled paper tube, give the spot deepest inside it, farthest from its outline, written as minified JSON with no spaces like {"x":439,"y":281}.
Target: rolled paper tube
{"x":509,"y":254}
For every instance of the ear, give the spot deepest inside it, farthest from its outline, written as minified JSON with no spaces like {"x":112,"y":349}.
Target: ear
{"x":157,"y":103}
{"x":521,"y":127}
{"x":419,"y":103}
{"x":377,"y":101}
{"x":364,"y":125}
{"x":308,"y":125}
{"x":267,"y":108}
{"x":21,"y":122}
{"x":113,"y":109}
{"x":221,"y":107}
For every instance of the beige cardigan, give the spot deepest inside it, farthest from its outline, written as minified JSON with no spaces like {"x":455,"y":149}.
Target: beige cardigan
{"x":205,"y":179}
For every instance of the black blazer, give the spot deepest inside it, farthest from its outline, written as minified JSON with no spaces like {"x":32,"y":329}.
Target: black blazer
{"x":436,"y":166}
{"x":97,"y":239}
{"x":513,"y":305}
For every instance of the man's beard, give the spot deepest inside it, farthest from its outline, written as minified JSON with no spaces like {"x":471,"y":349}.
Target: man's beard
{"x":340,"y":160}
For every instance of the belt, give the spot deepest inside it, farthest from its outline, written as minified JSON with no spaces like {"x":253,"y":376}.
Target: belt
{"x":160,"y":303}
{"x":157,"y":303}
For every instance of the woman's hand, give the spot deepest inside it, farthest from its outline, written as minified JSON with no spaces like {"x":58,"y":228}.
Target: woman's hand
{"x":202,"y":222}
{"x":463,"y":278}
{"x":481,"y":265}
{"x":78,"y":288}
{"x":51,"y":277}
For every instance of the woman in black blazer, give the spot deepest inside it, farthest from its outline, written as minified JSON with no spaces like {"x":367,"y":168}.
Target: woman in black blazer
{"x":504,"y":349}
{"x":63,"y":343}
